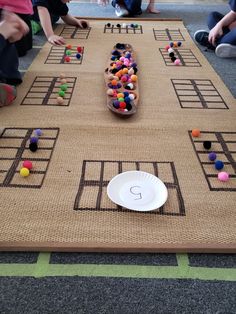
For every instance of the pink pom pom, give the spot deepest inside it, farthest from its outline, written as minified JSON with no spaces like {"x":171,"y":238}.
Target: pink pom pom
{"x":223,"y":176}
{"x":167,"y":47}
{"x":177,"y":62}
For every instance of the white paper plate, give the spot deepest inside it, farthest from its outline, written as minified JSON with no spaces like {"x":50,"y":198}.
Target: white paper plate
{"x":137,"y":190}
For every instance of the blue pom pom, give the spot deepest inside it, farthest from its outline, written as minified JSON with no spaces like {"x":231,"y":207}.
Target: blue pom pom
{"x":127,"y":100}
{"x":219,"y":165}
{"x":171,"y":44}
{"x":212,"y":156}
{"x":34,"y":139}
{"x":126,"y":94}
{"x":179,"y":43}
{"x":78,"y":55}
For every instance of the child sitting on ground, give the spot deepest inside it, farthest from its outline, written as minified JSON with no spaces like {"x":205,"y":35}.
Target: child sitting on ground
{"x":222,"y":35}
{"x":12,"y":29}
{"x":130,"y":7}
{"x":48,"y":12}
{"x":24,"y":10}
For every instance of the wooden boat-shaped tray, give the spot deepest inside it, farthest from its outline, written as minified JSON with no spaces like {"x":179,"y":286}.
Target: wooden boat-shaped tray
{"x":121,"y":81}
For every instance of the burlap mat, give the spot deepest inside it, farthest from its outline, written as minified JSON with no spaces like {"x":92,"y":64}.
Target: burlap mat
{"x":63,"y":204}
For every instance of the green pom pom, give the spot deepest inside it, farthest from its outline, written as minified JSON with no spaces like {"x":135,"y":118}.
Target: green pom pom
{"x":61,"y":93}
{"x":64,"y":87}
{"x":68,"y":52}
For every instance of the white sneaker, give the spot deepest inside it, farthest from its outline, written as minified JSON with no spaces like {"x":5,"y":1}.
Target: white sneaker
{"x":121,"y":11}
{"x":226,"y":51}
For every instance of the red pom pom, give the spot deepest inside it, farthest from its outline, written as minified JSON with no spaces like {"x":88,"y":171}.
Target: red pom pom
{"x":79,"y":49}
{"x":67,"y":59}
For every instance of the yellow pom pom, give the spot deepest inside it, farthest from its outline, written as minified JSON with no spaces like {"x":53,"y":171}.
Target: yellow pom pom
{"x":24,"y":172}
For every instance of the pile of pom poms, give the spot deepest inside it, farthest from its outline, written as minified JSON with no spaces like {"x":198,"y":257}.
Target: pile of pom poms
{"x":219,"y":165}
{"x":68,"y":53}
{"x":123,"y":25}
{"x":122,"y":77}
{"x":171,"y":51}
{"x":123,"y":101}
{"x":33,"y":146}
{"x":26,"y":167}
{"x":63,"y":89}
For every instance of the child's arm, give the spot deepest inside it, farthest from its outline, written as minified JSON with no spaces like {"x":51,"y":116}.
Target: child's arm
{"x":45,"y":21}
{"x":71,"y":20}
{"x":227,"y":21}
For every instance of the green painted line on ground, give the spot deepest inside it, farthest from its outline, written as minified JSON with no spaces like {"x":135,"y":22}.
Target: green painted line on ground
{"x":42,"y":264}
{"x":43,"y":269}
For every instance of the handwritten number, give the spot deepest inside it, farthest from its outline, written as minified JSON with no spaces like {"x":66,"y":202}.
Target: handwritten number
{"x":135,"y":193}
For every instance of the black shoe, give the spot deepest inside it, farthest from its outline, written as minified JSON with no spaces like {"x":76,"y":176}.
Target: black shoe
{"x":201,"y":37}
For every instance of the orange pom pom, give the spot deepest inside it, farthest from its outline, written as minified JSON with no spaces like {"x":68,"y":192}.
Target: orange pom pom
{"x":114,"y":82}
{"x":196,"y":132}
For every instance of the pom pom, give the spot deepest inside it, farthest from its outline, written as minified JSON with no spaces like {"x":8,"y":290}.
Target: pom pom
{"x":79,"y":49}
{"x":177,"y":62}
{"x":212,"y":156}
{"x":68,"y":52}
{"x":68,"y":46}
{"x":33,"y":147}
{"x":63,"y":87}
{"x":196,"y":132}
{"x":207,"y":144}
{"x":116,"y":104}
{"x":62,"y":75}
{"x":67,"y":59}
{"x":24,"y":172}
{"x":118,"y":25}
{"x":173,"y":59}
{"x":108,"y":24}
{"x":63,"y":81}
{"x":60,"y":100}
{"x":171,"y":50}
{"x":219,"y":164}
{"x":27,"y":164}
{"x":171,"y":44}
{"x":134,"y":78}
{"x":179,"y":43}
{"x":223,"y":176}
{"x":61,"y":93}
{"x":34,"y":139}
{"x":38,"y":132}
{"x":171,"y":54}
{"x":78,"y":55}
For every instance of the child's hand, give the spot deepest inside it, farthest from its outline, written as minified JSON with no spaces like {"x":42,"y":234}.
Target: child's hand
{"x":12,"y":27}
{"x":82,"y":23}
{"x":56,"y":40}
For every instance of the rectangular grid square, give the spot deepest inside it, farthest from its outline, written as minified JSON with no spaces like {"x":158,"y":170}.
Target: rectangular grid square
{"x":168,"y":35}
{"x":75,"y":32}
{"x":10,"y":164}
{"x":186,"y":57}
{"x":198,"y":94}
{"x":122,"y":29}
{"x":44,"y":91}
{"x":221,"y":142}
{"x":94,"y":180}
{"x":57,"y":55}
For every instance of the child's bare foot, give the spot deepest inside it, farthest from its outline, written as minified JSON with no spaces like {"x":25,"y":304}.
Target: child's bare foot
{"x":151,"y":9}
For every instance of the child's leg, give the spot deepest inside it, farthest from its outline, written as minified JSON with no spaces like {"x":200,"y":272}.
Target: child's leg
{"x":229,"y":38}
{"x":213,"y":19}
{"x":25,"y":44}
{"x":133,"y":6}
{"x":7,"y":94}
